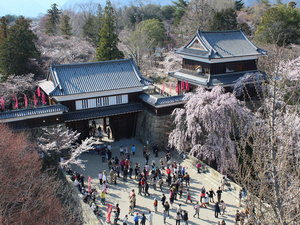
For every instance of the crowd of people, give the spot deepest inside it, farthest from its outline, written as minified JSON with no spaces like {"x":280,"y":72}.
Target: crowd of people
{"x":169,"y":177}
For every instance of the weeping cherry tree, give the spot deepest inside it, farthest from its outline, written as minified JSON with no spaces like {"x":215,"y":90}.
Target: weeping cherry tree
{"x":206,"y":125}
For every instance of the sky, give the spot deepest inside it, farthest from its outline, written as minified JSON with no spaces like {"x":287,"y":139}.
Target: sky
{"x":34,"y":8}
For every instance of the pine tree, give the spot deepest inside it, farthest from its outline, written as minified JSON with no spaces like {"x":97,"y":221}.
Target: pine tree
{"x":108,"y":39}
{"x":239,"y":4}
{"x":18,"y":48}
{"x":3,"y":28}
{"x":53,"y":18}
{"x":65,"y":26}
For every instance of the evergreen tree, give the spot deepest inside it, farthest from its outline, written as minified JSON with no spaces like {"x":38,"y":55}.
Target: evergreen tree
{"x":239,"y":4}
{"x":65,"y":26}
{"x":90,"y":31}
{"x":179,"y":10}
{"x":18,"y":48}
{"x":224,"y":20}
{"x":53,"y":18}
{"x":3,"y":28}
{"x":280,"y":25}
{"x":108,"y":39}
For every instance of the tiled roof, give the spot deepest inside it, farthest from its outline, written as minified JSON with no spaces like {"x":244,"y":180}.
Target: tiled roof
{"x":33,"y":111}
{"x":102,"y":112}
{"x":222,"y":44}
{"x":150,"y":99}
{"x":192,"y":79}
{"x":226,"y":79}
{"x":96,"y":76}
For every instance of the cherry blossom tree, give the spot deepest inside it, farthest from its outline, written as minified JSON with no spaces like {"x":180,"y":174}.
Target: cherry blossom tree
{"x":28,"y":195}
{"x":204,"y":127}
{"x":17,"y":86}
{"x":59,"y":145}
{"x":269,"y":151}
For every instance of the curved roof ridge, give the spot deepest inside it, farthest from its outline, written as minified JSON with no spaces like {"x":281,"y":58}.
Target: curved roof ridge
{"x":92,"y":63}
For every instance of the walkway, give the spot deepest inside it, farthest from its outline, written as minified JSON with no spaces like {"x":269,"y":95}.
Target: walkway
{"x":120,"y":193}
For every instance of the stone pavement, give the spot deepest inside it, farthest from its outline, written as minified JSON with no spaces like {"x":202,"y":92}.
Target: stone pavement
{"x":120,"y":193}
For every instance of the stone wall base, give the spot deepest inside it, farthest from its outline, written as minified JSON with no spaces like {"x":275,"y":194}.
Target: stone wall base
{"x":155,"y":129}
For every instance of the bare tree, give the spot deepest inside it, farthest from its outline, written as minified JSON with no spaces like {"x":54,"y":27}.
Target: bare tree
{"x":138,"y":45}
{"x":269,"y":150}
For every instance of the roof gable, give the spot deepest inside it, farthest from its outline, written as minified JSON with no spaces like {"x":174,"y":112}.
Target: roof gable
{"x":95,"y":77}
{"x":196,"y":44}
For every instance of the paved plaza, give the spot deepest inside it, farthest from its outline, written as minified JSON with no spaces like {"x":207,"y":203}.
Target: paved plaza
{"x":120,"y":193}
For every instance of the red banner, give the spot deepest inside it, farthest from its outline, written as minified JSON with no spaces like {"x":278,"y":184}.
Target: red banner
{"x":25,"y":100}
{"x":109,"y":210}
{"x":2,"y":103}
{"x":89,"y":184}
{"x":16,"y":106}
{"x":38,"y":92}
{"x":35,"y":101}
{"x":182,"y":84}
{"x":187,"y":86}
{"x":44,"y":101}
{"x":163,"y":88}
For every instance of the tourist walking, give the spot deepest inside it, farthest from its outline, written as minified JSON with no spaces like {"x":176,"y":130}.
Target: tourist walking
{"x":197,"y":209}
{"x":132,"y":197}
{"x":240,"y":198}
{"x":160,"y":183}
{"x":223,"y":182}
{"x":155,"y":204}
{"x":163,"y":199}
{"x":223,"y":207}
{"x":237,"y":217}
{"x":185,"y":217}
{"x":217,"y":209}
{"x":125,"y":220}
{"x":167,"y":207}
{"x":188,"y":196}
{"x":100,"y":176}
{"x":150,"y":218}
{"x":133,"y":150}
{"x":199,"y":167}
{"x":219,"y":194}
{"x":136,"y":219}
{"x":102,"y":197}
{"x":165,"y":215}
{"x":143,"y":219}
{"x":211,"y":195}
{"x":177,"y":218}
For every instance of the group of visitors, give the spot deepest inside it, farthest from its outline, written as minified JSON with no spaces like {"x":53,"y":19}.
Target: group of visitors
{"x":89,"y":195}
{"x":96,"y":130}
{"x":164,"y":175}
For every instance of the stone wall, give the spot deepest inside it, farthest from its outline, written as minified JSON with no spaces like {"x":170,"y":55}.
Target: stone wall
{"x":155,"y":129}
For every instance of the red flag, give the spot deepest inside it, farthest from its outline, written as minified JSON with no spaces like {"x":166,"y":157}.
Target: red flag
{"x":38,"y":92}
{"x":35,"y":101}
{"x":177,"y":89}
{"x":25,"y":100}
{"x":2,"y":103}
{"x":44,"y":102}
{"x":109,"y":209}
{"x":182,"y":85}
{"x":89,"y":184}
{"x":187,"y":86}
{"x":163,"y":88}
{"x":16,"y":106}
